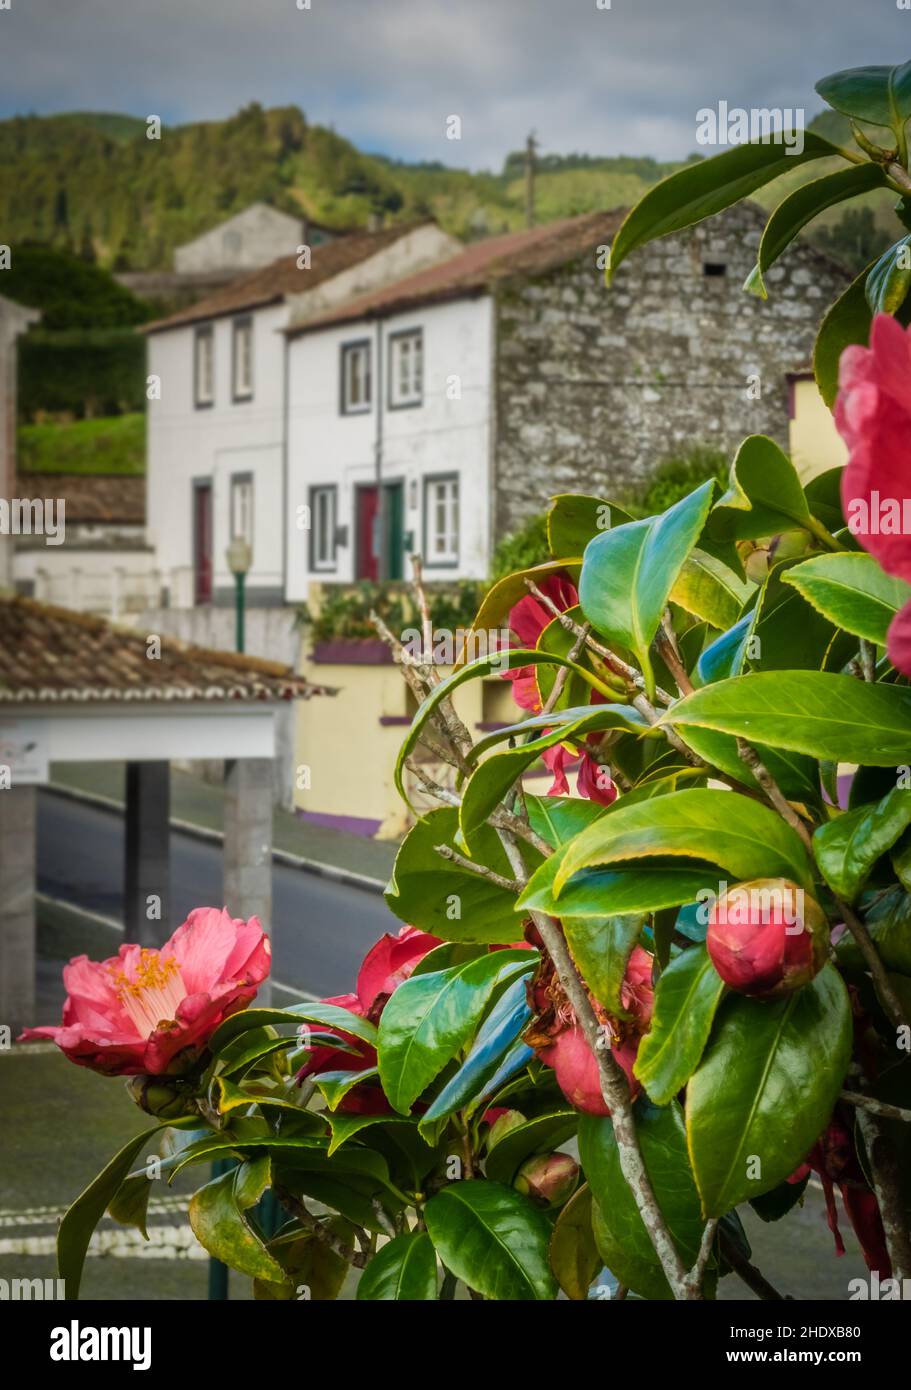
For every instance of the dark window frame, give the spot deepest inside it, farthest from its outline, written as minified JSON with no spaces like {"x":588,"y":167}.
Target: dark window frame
{"x":245,"y":477}
{"x":241,"y":397}
{"x":355,"y":345}
{"x":392,"y":404}
{"x":206,"y":330}
{"x":451,"y":475}
{"x":311,"y":559}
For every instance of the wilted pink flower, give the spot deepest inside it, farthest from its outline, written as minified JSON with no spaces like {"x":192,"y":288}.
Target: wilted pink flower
{"x":767,"y":938}
{"x":873,"y":414}
{"x":834,"y":1158}
{"x":528,"y":619}
{"x":136,"y":1012}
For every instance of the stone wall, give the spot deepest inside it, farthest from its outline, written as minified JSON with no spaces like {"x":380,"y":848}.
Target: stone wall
{"x":596,"y":387}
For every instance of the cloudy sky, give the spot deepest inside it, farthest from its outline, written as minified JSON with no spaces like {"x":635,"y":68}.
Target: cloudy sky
{"x":387,"y":73}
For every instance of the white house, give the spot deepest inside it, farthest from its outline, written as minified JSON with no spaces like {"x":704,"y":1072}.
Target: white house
{"x":217,"y":410}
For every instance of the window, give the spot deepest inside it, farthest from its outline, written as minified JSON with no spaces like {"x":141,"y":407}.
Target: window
{"x":406,"y":369}
{"x":714,"y":270}
{"x":441,"y":520}
{"x":242,"y":507}
{"x":204,"y":366}
{"x":356,"y":395}
{"x":322,"y":527}
{"x":242,"y":361}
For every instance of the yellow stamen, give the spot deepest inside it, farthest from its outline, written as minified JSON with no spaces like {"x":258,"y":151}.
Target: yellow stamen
{"x":154,"y":993}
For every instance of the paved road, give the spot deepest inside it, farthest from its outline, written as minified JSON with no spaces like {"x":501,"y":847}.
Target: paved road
{"x":321,"y":928}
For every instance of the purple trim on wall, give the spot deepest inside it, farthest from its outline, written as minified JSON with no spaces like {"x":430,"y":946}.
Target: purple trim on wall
{"x":364,"y":826}
{"x":365,"y":651}
{"x":491,"y":726}
{"x":394,"y":720}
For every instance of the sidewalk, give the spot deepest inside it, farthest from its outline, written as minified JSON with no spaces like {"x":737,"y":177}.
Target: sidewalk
{"x":200,"y":805}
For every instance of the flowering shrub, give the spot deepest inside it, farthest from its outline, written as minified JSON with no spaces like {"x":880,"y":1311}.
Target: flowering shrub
{"x":701,"y":975}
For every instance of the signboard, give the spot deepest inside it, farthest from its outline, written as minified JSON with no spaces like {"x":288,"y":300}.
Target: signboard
{"x":23,"y":753}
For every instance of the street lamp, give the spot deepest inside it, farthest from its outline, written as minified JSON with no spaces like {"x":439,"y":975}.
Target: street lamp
{"x":240,"y":558}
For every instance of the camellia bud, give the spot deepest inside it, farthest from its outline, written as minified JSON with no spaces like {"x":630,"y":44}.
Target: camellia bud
{"x":166,"y":1100}
{"x":549,"y":1179}
{"x":767,"y":937}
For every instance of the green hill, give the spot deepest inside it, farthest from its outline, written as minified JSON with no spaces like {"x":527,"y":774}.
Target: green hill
{"x":91,"y":183}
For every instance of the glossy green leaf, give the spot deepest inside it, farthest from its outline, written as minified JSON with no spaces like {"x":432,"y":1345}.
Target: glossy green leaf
{"x":890,"y":279}
{"x":795,"y":773}
{"x":823,"y":494}
{"x":889,"y":924}
{"x":404,"y":1270}
{"x":805,"y":204}
{"x":879,"y":95}
{"x":765,"y":1089}
{"x":558,"y":818}
{"x":847,"y":322}
{"x":688,"y":994}
{"x":83,"y":1215}
{"x":597,"y":893}
{"x":218,"y":1223}
{"x":483,"y":666}
{"x":788,"y":634}
{"x":541,"y":1134}
{"x":726,"y":655}
{"x":772,"y":1206}
{"x":574,"y":1256}
{"x":815,"y":712}
{"x":703,"y":189}
{"x":745,"y":838}
{"x":853,"y":591}
{"x":312,"y":1269}
{"x":130,"y":1205}
{"x":622,"y":1238}
{"x":847,"y":847}
{"x":601,"y":950}
{"x":764,"y":494}
{"x":326,"y":1015}
{"x":345,"y":1126}
{"x":574,"y":518}
{"x":710,"y":590}
{"x":335,"y":1085}
{"x":506,"y":593}
{"x":492,"y":1239}
{"x":438,"y":896}
{"x":430,"y":1018}
{"x":493,"y":778}
{"x":628,"y":574}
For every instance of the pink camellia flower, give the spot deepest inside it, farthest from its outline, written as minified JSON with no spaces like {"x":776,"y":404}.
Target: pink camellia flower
{"x":561,"y":1044}
{"x":385,"y":966}
{"x":528,"y":619}
{"x":873,"y":415}
{"x":767,"y":938}
{"x":136,"y":1012}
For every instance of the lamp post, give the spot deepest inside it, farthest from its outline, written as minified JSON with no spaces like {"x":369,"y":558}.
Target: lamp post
{"x":240,"y":558}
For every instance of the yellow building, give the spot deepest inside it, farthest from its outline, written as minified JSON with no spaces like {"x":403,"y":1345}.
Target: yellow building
{"x":816,"y":444}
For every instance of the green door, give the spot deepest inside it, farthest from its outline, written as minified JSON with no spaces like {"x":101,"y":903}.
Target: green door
{"x":395,"y":530}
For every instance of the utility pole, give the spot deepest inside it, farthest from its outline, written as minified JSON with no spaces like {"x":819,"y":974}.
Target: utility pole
{"x":531,"y":149}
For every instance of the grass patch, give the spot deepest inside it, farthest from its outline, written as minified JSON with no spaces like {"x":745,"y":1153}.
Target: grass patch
{"x":111,"y":444}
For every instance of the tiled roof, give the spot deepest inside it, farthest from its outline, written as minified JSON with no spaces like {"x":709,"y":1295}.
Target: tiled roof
{"x":478,"y":268}
{"x":273,"y":282}
{"x":54,"y":655}
{"x":99,"y":498}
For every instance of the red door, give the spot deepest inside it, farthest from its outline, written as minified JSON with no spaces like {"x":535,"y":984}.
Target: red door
{"x":367,"y":533}
{"x":202,"y":543}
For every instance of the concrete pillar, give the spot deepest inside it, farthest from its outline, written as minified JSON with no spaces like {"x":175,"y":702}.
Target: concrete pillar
{"x":146,"y":880}
{"x":17,"y":907}
{"x":248,"y":844}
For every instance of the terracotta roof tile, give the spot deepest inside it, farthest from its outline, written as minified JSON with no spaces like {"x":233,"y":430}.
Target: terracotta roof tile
{"x":51,"y":655}
{"x":273,"y":282}
{"x":99,"y":498}
{"x":479,"y":267}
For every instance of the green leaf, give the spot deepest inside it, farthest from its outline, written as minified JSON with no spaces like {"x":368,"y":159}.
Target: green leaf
{"x":847,"y":322}
{"x":688,"y":994}
{"x":558,"y":818}
{"x":710,"y":590}
{"x":493,"y":778}
{"x":541,"y":1134}
{"x":766,"y":1088}
{"x":574,"y":1256}
{"x":772,"y":1206}
{"x":879,"y":95}
{"x":627,"y":574}
{"x":335,"y":1085}
{"x":622,"y":1238}
{"x":889,"y":924}
{"x":764,"y":494}
{"x":803,"y":205}
{"x":326,"y":1015}
{"x":483,"y":666}
{"x":648,"y":888}
{"x":309,"y":1264}
{"x":493,"y":1240}
{"x":218,"y":1223}
{"x":744,"y":837}
{"x":852,"y":591}
{"x":795,"y":773}
{"x":601,"y":950}
{"x":701,"y":190}
{"x":506,"y":593}
{"x":574,"y":518}
{"x":815,"y":712}
{"x":848,"y":846}
{"x":130,"y":1205}
{"x":404,"y":1270}
{"x":345,"y":1126}
{"x":438,"y":896}
{"x":83,"y":1215}
{"x":430,"y":1018}
{"x":890,"y":279}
